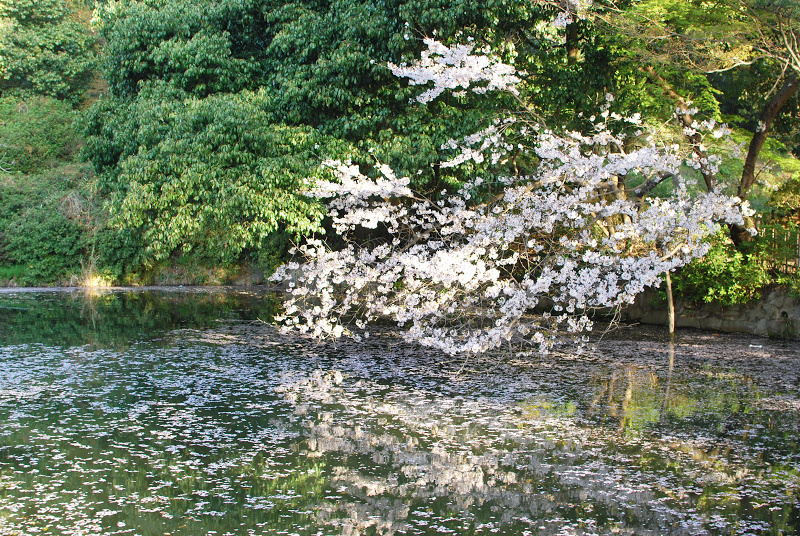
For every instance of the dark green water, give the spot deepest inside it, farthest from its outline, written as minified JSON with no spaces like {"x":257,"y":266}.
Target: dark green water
{"x":184,"y":413}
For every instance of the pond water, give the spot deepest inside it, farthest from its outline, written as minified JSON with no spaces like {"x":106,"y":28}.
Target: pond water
{"x":178,"y":412}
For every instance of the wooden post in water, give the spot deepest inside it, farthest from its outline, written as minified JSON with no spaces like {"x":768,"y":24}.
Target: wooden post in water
{"x":671,"y":325}
{"x":670,"y":308}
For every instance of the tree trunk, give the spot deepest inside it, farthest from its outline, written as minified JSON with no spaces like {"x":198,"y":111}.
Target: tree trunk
{"x":765,"y":122}
{"x":739,"y":234}
{"x":670,"y":308}
{"x":573,"y":50}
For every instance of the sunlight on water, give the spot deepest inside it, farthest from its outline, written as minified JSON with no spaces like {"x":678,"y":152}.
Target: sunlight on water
{"x":182,"y":413}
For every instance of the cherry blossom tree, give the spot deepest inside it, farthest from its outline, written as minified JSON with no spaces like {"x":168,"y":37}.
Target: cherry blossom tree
{"x":517,"y":260}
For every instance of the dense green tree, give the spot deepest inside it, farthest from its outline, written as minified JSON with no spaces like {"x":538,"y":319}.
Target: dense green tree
{"x":45,"y":49}
{"x":217,"y":112}
{"x":217,"y":176}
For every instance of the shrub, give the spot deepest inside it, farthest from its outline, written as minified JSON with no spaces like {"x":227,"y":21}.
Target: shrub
{"x":272,"y":252}
{"x":36,"y":133}
{"x":113,"y":251}
{"x":724,"y":275}
{"x":46,"y":243}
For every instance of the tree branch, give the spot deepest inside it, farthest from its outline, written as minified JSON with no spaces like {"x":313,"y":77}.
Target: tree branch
{"x":686,"y":120}
{"x":645,"y":188}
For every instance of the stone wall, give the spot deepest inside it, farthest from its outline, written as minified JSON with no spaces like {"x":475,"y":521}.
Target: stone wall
{"x":776,"y":314}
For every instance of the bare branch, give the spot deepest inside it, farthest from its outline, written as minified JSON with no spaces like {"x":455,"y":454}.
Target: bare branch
{"x":686,"y":120}
{"x":650,"y":185}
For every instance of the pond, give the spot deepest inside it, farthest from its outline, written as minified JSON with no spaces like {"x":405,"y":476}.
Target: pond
{"x":184,"y":412}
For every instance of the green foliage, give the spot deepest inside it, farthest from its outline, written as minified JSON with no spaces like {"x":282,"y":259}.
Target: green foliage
{"x":45,"y":49}
{"x":35,"y":133}
{"x":272,"y":252}
{"x":42,"y":231}
{"x":47,"y":59}
{"x":727,"y":57}
{"x":45,"y":220}
{"x":689,"y":35}
{"x":214,"y":178}
{"x":199,"y":47}
{"x":110,"y":250}
{"x":46,"y":243}
{"x":321,"y":65}
{"x":785,"y":201}
{"x":742,"y":95}
{"x":778,"y":247}
{"x":568,"y":92}
{"x":219,"y":111}
{"x":724,"y":276}
{"x":8,"y":273}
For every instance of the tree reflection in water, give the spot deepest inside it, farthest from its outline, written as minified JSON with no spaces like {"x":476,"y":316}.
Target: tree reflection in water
{"x":633,"y":442}
{"x":217,"y":423}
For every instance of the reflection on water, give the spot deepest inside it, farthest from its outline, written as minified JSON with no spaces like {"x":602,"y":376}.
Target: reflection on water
{"x":181,"y":413}
{"x":106,"y":318}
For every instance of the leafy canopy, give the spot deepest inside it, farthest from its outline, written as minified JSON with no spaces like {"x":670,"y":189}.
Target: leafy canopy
{"x":45,"y":49}
{"x":218,"y":112}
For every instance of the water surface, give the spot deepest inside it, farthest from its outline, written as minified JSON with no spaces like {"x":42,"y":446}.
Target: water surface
{"x":185,"y":413}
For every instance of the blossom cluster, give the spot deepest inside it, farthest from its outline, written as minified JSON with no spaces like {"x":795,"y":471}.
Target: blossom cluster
{"x":455,"y":67}
{"x":571,"y":236}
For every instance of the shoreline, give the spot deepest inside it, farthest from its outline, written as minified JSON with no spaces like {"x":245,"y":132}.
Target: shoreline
{"x":775,"y":315}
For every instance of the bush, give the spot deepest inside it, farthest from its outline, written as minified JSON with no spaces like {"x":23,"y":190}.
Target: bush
{"x":37,"y":142}
{"x":8,"y":273}
{"x":46,"y":243}
{"x":724,"y":275}
{"x":35,"y":134}
{"x":45,"y":222}
{"x":113,"y":251}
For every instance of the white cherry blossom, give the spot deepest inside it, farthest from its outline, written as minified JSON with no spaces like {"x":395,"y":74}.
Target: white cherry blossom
{"x":450,"y":68}
{"x":518,"y":271}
